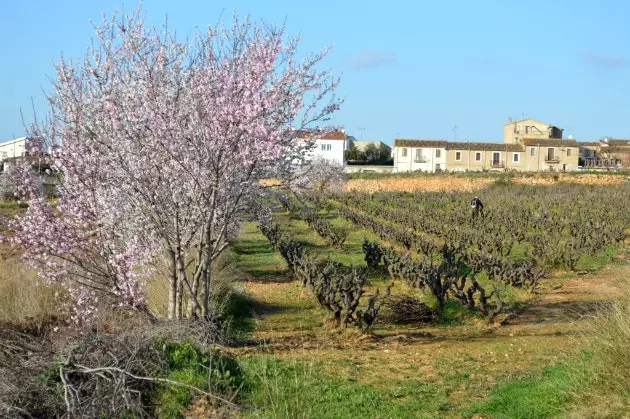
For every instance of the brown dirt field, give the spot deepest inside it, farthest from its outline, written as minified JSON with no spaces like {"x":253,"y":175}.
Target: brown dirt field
{"x":463,"y":183}
{"x":585,"y":179}
{"x":418,"y":184}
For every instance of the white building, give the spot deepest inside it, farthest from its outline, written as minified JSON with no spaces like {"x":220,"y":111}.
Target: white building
{"x":13,"y":148}
{"x":415,"y":155}
{"x":19,"y":148}
{"x":330,"y":146}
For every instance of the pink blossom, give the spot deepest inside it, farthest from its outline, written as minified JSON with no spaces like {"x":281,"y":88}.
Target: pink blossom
{"x":161,"y":146}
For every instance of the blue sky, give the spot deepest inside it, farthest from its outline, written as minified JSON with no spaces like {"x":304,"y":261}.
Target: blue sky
{"x":410,"y":69}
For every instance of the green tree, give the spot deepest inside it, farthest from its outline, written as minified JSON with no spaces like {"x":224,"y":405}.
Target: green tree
{"x":372,"y":153}
{"x":352,"y":153}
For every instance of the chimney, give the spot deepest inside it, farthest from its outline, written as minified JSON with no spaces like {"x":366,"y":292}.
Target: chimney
{"x":510,"y":120}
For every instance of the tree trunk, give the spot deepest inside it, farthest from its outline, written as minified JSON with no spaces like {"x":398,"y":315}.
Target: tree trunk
{"x":207,"y":277}
{"x":172,"y":297}
{"x":179,"y":300}
{"x":172,"y":289}
{"x":193,"y":312}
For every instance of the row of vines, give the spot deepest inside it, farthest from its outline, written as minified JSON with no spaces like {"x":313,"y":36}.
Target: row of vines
{"x":432,"y":243}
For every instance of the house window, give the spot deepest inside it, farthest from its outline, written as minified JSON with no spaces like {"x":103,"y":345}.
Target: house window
{"x":496,"y":158}
{"x":438,"y":153}
{"x":458,"y":155}
{"x":326,"y":147}
{"x":404,"y":152}
{"x":516,"y":157}
{"x":477,"y":156}
{"x":532,"y":151}
{"x":568,"y":152}
{"x":419,"y":157}
{"x":437,"y":167}
{"x":551,"y":154}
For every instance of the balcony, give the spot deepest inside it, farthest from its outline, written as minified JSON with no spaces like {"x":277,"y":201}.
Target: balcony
{"x":498,"y":163}
{"x":552,"y":159}
{"x":419,"y":159}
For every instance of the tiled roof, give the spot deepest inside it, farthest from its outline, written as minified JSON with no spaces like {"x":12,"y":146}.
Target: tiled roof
{"x":321,"y":135}
{"x":616,"y":149}
{"x":589,"y":143}
{"x":484,"y":146}
{"x":362,"y":144}
{"x":550,"y":142}
{"x":420,"y":143}
{"x":618,"y":142}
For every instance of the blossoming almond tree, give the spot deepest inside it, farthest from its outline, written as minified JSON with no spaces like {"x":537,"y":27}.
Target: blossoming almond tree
{"x":162,"y":145}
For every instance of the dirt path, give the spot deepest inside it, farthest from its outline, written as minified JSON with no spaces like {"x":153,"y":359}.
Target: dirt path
{"x":575,"y":298}
{"x":286,"y":316}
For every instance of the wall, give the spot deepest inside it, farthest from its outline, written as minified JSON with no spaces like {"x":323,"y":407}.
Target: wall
{"x":409,"y":164}
{"x":333,"y":156}
{"x":538,"y":163}
{"x":469,"y":160}
{"x":514,"y":132}
{"x":368,"y":169}
{"x":13,"y":148}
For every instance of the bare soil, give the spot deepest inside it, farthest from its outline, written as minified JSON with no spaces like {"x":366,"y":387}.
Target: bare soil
{"x":464,"y":183}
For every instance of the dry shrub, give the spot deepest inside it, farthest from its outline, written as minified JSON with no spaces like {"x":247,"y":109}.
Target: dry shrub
{"x":405,"y":309}
{"x":157,"y":296}
{"x":610,"y":337}
{"x":23,"y":298}
{"x":105,"y":374}
{"x":23,"y":358}
{"x":224,"y":274}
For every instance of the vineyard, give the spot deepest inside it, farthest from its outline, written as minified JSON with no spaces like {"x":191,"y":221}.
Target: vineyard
{"x":432,"y":243}
{"x":421,"y":308}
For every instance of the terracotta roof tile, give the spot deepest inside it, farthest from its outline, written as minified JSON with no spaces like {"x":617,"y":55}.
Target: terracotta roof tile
{"x":589,"y":143}
{"x":322,"y":135}
{"x":484,"y":146}
{"x":550,"y":142}
{"x":420,"y":143}
{"x":616,"y":149}
{"x":618,"y":142}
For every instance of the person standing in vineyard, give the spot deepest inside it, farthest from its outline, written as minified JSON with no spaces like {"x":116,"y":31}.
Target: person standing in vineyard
{"x":477,"y":207}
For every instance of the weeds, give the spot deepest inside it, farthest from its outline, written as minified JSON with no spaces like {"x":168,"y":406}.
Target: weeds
{"x":23,"y":298}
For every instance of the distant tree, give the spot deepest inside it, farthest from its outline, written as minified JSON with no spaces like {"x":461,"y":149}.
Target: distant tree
{"x":352,"y":153}
{"x":385,"y":155}
{"x":372,"y":153}
{"x":162,"y":145}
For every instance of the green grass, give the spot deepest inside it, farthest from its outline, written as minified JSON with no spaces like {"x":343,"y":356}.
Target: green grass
{"x":240,"y":310}
{"x":208,"y":370}
{"x":10,"y":204}
{"x":599,"y":260}
{"x":459,"y":380}
{"x":255,"y":256}
{"x":545,"y":395}
{"x":286,"y":389}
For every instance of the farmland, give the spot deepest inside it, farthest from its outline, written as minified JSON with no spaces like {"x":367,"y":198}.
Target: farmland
{"x":399,"y":304}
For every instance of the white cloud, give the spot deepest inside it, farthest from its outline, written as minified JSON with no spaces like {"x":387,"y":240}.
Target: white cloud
{"x":371,"y":59}
{"x":604,"y":60}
